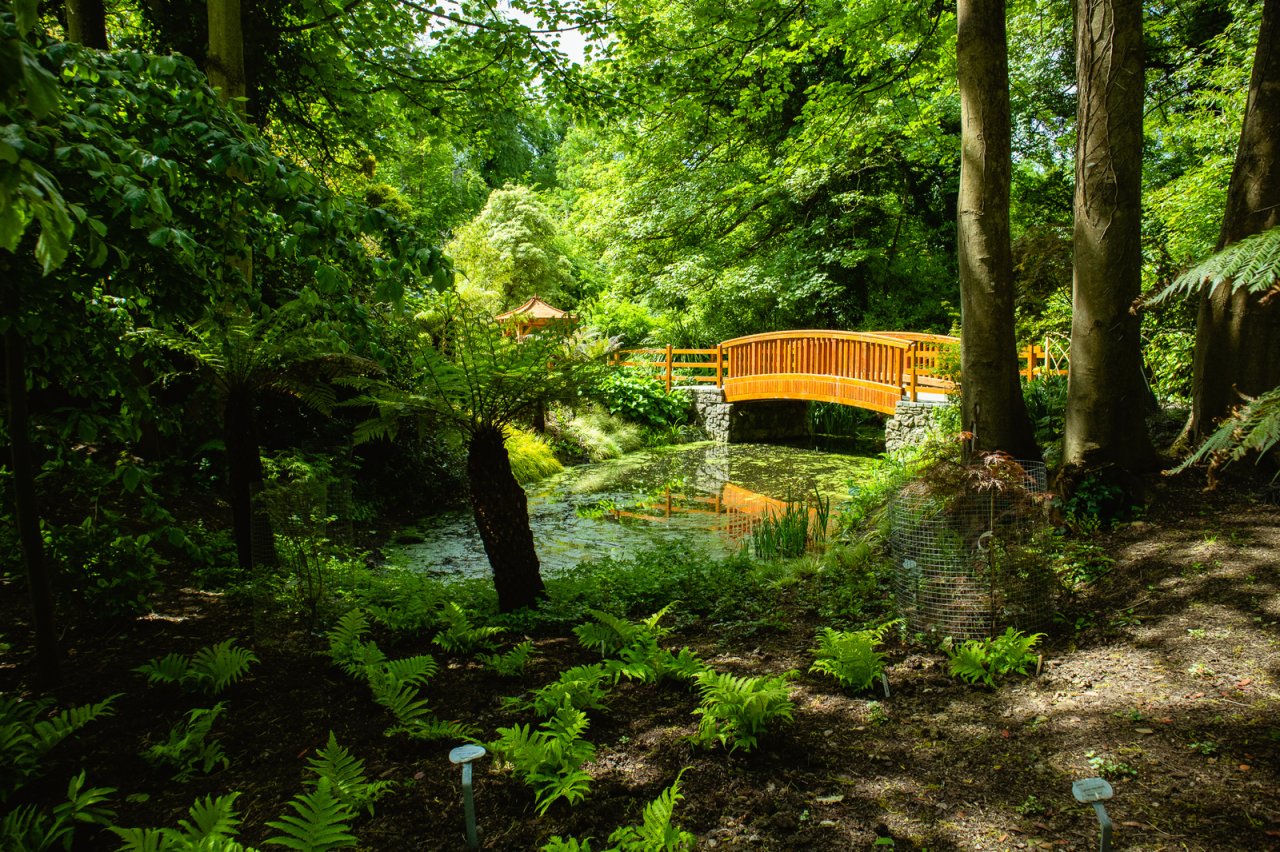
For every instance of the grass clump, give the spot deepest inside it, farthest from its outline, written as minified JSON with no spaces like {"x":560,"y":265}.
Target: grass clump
{"x":532,"y":457}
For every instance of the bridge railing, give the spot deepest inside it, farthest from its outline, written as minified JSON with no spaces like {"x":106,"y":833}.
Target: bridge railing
{"x":855,"y":368}
{"x":673,"y":366}
{"x":872,"y":369}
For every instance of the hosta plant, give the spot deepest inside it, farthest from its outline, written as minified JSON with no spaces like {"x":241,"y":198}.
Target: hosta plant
{"x":736,"y":711}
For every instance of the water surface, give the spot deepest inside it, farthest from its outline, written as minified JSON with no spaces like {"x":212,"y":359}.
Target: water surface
{"x":707,"y":494}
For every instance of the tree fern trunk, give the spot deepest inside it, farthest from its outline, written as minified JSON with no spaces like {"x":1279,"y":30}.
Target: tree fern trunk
{"x":502,"y":515}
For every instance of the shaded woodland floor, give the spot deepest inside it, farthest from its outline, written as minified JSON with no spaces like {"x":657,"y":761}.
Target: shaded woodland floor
{"x":1165,"y":678}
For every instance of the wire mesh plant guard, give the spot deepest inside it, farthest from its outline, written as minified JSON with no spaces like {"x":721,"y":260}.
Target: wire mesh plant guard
{"x":967,"y":544}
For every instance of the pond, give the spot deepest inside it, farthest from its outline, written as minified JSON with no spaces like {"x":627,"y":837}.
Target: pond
{"x":706,"y":494}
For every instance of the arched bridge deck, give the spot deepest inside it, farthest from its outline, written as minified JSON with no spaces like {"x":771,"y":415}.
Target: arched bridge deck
{"x":867,"y":369}
{"x":872,"y":370}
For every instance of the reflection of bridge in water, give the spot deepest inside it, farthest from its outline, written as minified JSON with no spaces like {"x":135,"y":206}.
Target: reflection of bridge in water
{"x":733,"y":511}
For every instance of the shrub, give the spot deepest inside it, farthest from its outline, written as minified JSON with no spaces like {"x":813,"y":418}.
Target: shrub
{"x":637,"y":396}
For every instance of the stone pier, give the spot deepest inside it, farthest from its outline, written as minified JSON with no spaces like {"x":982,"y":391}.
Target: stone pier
{"x":910,"y":424}
{"x":747,"y":422}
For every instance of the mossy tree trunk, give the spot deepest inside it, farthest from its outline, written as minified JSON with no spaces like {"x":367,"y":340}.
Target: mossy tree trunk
{"x":502,"y":515}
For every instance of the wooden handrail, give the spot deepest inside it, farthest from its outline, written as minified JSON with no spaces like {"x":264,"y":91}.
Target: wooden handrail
{"x":870,"y":369}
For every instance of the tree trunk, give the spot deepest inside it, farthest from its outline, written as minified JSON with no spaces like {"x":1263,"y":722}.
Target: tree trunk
{"x":1106,"y":393}
{"x":244,"y":474}
{"x":502,"y":515}
{"x":993,"y":408}
{"x":87,"y":23}
{"x":25,"y":514}
{"x":1238,"y":335}
{"x":225,"y":61}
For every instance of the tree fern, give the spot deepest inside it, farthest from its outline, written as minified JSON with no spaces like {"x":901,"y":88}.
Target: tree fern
{"x":1252,"y":264}
{"x":1252,"y":428}
{"x":319,"y":822}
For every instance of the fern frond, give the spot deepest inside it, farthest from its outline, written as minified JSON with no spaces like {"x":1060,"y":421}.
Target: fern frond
{"x":1252,"y":428}
{"x":415,"y":670}
{"x":1252,"y":264}
{"x":319,"y":823}
{"x":218,"y":666}
{"x":171,"y":668}
{"x":344,"y":773}
{"x":656,"y":830}
{"x":459,"y":635}
{"x":431,"y":729}
{"x":211,"y":817}
{"x":510,"y":663}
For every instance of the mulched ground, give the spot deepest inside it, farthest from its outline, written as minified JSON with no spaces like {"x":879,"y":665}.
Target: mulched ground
{"x":1170,"y":688}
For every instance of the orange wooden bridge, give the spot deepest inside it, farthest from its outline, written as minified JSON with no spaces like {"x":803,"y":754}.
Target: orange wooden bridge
{"x":874,"y":370}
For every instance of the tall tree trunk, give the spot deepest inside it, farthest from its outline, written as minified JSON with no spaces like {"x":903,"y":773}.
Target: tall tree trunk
{"x":1106,"y":392}
{"x":502,"y":515}
{"x":87,"y":23}
{"x":225,"y":63}
{"x":244,"y":475}
{"x":1238,"y":335}
{"x":25,"y":514}
{"x":993,"y":408}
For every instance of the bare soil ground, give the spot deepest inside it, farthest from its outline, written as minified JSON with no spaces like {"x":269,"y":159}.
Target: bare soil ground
{"x":1165,"y":678}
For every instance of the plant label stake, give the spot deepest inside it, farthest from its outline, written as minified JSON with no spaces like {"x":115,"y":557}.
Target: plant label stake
{"x":465,"y":754}
{"x":1095,"y":791}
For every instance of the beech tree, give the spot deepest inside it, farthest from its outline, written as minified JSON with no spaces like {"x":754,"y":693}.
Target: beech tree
{"x":1106,"y":391}
{"x":1238,"y":331}
{"x":993,"y":408}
